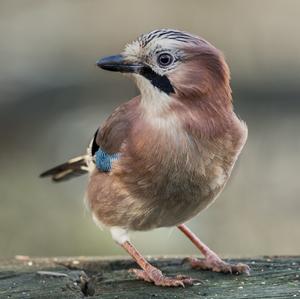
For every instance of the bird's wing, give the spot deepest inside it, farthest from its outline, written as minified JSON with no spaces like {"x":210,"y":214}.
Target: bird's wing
{"x":106,"y":145}
{"x":114,"y":131}
{"x":108,"y":138}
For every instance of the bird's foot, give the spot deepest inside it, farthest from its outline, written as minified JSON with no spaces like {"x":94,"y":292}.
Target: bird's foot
{"x":155,"y":276}
{"x":215,"y":264}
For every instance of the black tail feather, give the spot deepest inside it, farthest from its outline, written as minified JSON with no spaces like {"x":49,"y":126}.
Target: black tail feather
{"x":63,"y":172}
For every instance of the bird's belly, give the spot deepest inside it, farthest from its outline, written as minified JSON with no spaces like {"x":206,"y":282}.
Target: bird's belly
{"x":178,"y":208}
{"x":168,"y":198}
{"x":157,"y":203}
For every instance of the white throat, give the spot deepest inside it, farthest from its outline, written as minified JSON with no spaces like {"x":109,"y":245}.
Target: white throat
{"x":154,"y":101}
{"x":155,"y":104}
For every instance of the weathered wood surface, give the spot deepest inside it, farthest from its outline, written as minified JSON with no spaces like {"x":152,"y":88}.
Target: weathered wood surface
{"x":24,"y":277}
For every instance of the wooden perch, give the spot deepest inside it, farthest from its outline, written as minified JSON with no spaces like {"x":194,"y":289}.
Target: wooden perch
{"x":25,"y":277}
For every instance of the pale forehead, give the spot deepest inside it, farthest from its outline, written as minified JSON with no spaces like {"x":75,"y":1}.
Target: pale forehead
{"x":167,"y":35}
{"x":160,"y":39}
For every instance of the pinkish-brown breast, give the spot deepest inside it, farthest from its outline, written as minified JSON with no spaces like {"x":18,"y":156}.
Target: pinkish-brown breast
{"x":169,"y":171}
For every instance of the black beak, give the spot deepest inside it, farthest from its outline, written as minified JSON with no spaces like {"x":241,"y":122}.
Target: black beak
{"x":117,"y":63}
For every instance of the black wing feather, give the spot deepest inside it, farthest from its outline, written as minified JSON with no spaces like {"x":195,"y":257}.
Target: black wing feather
{"x":63,"y":172}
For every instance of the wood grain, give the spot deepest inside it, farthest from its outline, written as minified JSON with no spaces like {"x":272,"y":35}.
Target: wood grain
{"x":25,"y":277}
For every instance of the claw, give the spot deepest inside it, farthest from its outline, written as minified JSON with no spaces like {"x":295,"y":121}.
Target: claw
{"x":215,"y":264}
{"x":188,"y":280}
{"x":241,"y":268}
{"x":155,"y":276}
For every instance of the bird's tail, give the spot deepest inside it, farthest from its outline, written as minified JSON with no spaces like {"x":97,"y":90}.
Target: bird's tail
{"x":63,"y":172}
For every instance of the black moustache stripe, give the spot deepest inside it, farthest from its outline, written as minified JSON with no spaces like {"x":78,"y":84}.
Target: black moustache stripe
{"x":161,"y":82}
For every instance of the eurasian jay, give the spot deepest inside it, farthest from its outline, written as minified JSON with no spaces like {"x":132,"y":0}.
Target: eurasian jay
{"x":165,"y":155}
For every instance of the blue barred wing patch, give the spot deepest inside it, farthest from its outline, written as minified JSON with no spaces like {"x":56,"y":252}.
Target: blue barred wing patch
{"x":104,"y":160}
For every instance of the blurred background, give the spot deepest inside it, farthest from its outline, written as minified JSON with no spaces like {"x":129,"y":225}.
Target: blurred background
{"x":52,"y":98}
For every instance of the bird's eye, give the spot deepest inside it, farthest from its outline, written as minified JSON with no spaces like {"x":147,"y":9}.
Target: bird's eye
{"x":165,"y":59}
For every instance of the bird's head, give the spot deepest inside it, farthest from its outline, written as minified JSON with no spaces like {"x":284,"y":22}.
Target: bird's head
{"x":172,"y":63}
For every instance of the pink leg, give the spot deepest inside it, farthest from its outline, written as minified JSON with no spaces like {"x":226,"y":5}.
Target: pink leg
{"x":151,"y":274}
{"x":212,"y":261}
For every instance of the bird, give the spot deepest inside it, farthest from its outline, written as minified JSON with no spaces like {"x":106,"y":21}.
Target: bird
{"x":164,"y":156}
